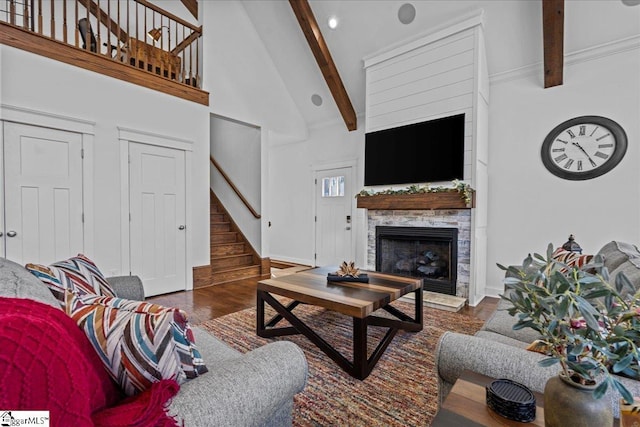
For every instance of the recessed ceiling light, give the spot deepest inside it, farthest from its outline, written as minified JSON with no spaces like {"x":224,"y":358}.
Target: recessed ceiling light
{"x":407,"y":13}
{"x":316,"y":99}
{"x":631,"y":2}
{"x":332,"y":22}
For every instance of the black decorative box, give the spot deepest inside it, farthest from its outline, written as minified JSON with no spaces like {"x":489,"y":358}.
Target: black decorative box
{"x":363,"y":278}
{"x":511,"y":400}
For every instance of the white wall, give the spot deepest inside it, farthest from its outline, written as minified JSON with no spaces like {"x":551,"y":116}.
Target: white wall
{"x":38,"y":83}
{"x":245,"y":85}
{"x":239,"y":74}
{"x":291,"y":190}
{"x":528,"y":206}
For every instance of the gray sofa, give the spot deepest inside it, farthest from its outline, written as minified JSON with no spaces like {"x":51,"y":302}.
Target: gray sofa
{"x":252,"y":389}
{"x":500,"y":352}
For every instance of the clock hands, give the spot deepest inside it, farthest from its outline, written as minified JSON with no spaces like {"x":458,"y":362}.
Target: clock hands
{"x":585,"y":153}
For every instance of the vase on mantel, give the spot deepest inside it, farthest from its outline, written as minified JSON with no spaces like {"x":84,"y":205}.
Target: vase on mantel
{"x":570,"y":404}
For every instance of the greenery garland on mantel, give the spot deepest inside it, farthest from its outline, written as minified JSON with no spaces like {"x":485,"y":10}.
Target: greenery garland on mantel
{"x":463,"y":188}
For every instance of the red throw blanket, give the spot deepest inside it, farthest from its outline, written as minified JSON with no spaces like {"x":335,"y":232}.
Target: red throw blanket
{"x":47,"y":363}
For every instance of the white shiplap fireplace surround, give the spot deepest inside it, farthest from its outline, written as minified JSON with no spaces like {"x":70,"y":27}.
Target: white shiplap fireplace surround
{"x":439,"y":74}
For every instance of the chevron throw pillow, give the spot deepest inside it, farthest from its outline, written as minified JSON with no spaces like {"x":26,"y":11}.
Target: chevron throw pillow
{"x":77,"y":274}
{"x":139,"y":343}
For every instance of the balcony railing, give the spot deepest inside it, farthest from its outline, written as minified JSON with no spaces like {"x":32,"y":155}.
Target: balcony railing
{"x":136,"y":33}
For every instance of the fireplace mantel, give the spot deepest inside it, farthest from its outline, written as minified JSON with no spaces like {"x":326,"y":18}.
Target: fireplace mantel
{"x":440,"y":200}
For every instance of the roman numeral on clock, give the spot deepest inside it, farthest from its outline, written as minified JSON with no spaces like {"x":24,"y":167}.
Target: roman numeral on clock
{"x":605,"y":145}
{"x":579,"y":165}
{"x":558,"y":150}
{"x":560,"y":158}
{"x":583,"y":130}
{"x":601,"y":155}
{"x":570,"y":132}
{"x":568,"y":164}
{"x":603,"y":136}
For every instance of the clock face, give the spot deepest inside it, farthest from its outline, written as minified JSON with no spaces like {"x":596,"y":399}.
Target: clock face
{"x":584,"y":147}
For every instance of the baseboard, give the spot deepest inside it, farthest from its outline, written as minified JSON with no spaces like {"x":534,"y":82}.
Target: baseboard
{"x":286,"y":259}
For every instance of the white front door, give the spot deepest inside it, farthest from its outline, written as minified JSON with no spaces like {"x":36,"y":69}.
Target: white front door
{"x":42,"y":194}
{"x":157,"y":224}
{"x":333,"y":216}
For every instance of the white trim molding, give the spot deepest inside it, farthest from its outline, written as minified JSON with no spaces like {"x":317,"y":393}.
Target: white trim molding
{"x":573,"y":58}
{"x":12,"y":113}
{"x":150,"y":138}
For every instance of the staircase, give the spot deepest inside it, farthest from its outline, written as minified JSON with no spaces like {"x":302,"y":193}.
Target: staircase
{"x":232,"y":257}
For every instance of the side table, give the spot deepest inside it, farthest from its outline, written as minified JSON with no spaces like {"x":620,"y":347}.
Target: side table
{"x":466,"y":405}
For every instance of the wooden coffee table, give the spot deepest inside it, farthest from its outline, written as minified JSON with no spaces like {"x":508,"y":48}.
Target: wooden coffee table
{"x":357,"y":300}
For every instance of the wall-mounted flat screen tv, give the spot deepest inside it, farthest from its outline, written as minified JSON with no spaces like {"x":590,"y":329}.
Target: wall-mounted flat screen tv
{"x":430,"y":151}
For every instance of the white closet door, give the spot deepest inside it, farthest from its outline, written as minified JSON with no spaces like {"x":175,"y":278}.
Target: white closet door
{"x":43,"y":194}
{"x":157,"y":227}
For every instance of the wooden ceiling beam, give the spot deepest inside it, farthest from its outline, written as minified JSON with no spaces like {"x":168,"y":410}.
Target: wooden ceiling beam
{"x":320,"y":50}
{"x":553,"y":40}
{"x":192,"y":6}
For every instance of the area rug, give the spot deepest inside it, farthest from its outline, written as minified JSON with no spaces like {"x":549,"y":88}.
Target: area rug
{"x":402,"y":389}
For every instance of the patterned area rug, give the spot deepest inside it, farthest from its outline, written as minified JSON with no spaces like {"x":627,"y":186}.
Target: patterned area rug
{"x":402,"y":389}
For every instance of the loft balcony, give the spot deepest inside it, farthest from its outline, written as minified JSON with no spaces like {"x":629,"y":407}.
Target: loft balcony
{"x":131,"y":40}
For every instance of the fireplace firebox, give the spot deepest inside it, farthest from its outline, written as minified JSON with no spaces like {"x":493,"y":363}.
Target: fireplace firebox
{"x":428,"y":253}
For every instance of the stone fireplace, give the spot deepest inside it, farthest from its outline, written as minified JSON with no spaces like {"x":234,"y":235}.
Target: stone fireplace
{"x":445,"y":220}
{"x":427,"y":253}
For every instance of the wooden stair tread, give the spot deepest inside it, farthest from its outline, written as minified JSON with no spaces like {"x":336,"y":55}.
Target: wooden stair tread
{"x":232,"y":257}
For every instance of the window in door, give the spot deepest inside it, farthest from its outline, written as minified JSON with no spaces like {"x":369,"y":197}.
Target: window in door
{"x":333,"y":186}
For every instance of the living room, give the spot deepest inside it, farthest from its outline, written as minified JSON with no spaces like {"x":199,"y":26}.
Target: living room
{"x":250,"y":79}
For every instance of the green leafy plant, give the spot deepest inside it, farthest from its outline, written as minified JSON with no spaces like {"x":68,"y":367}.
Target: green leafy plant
{"x":586,"y":324}
{"x":463,"y":188}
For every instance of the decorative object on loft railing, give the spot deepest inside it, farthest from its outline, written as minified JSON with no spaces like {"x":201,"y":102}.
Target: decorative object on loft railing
{"x":156,"y":33}
{"x":348,"y":273}
{"x":459,"y":196}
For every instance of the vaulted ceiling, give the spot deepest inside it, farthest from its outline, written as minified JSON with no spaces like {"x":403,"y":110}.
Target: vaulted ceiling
{"x":513,"y":30}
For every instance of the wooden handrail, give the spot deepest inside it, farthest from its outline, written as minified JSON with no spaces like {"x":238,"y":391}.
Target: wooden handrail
{"x":234,"y":188}
{"x":168,"y":15}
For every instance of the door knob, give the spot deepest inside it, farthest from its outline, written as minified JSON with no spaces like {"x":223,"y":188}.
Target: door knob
{"x":11,"y":233}
{"x":348,"y":228}
{"x":1,"y":233}
{"x":181,"y":227}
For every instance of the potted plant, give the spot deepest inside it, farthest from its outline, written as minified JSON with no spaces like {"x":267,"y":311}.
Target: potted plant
{"x":587,"y":326}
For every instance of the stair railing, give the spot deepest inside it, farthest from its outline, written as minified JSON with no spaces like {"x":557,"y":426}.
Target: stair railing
{"x":134,"y":32}
{"x":234,"y":188}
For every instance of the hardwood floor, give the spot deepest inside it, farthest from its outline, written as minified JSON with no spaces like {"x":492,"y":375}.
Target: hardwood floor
{"x":203,"y":304}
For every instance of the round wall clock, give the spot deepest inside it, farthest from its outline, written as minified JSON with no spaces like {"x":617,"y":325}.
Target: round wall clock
{"x":584,"y":147}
